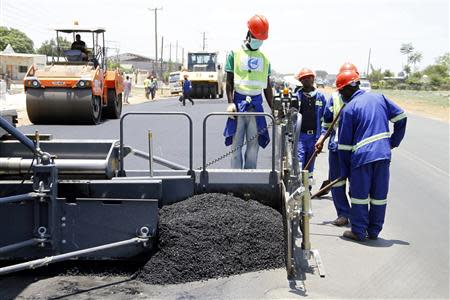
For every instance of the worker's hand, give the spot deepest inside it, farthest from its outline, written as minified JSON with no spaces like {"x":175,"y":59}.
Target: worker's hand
{"x":231,"y":108}
{"x":319,"y":144}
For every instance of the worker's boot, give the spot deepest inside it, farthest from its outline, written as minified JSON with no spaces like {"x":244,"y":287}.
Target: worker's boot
{"x":351,"y":235}
{"x":340,"y":221}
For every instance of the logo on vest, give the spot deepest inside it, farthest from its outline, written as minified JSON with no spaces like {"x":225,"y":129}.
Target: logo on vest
{"x":252,"y":64}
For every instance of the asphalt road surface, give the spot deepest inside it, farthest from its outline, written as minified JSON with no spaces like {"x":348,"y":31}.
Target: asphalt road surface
{"x":410,"y":260}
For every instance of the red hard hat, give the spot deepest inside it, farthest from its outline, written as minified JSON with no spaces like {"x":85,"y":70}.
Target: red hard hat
{"x":348,"y":66}
{"x":304,"y":72}
{"x":345,"y":78}
{"x":258,"y":27}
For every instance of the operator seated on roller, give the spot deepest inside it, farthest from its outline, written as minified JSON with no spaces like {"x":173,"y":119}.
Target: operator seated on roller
{"x":78,"y":44}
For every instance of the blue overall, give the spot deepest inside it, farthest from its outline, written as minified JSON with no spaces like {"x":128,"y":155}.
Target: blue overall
{"x":365,"y":145}
{"x":338,"y":190}
{"x":242,"y":106}
{"x":305,"y":148}
{"x":245,"y":128}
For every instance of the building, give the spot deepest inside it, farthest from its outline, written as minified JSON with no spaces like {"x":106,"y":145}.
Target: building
{"x":16,"y":65}
{"x":146,"y":64}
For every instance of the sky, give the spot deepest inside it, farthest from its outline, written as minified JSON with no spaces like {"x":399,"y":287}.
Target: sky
{"x":318,"y":34}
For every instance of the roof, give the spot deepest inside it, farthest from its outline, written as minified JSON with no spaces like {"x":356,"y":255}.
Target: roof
{"x":21,"y":55}
{"x":9,"y":52}
{"x":81,"y":29}
{"x":133,"y":57}
{"x":8,"y":49}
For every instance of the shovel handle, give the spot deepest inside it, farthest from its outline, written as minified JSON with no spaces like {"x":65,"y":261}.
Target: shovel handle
{"x":327,"y":135}
{"x":326,"y":187}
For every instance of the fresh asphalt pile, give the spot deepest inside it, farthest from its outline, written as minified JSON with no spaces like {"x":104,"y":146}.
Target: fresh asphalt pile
{"x":214,"y":235}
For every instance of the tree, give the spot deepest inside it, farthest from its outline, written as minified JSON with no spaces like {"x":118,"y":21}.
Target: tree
{"x":444,"y":60}
{"x":388,"y":73}
{"x":49,"y":47}
{"x":406,"y":48}
{"x":18,"y":40}
{"x":407,"y":69}
{"x":376,"y":75}
{"x":321,"y":74}
{"x":414,"y":58}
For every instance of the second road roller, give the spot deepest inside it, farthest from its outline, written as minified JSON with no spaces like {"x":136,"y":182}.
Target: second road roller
{"x":75,"y":87}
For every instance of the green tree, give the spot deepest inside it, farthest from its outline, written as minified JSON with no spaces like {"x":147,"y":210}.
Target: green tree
{"x":376,"y":75}
{"x":444,"y":60}
{"x":49,"y":47}
{"x":388,"y":73}
{"x":407,"y":69}
{"x":406,"y":49}
{"x":17,"y":39}
{"x":321,"y":74}
{"x":414,"y":58}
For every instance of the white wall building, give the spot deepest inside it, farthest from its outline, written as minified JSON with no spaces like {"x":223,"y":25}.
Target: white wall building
{"x":16,"y":64}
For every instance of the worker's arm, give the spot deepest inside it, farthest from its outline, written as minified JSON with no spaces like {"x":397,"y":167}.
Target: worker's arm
{"x":398,"y":117}
{"x":229,"y":88}
{"x":268,"y":93}
{"x":345,"y":145}
{"x":326,"y":123}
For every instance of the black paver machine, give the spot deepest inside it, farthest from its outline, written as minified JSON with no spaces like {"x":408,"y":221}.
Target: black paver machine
{"x":74,"y":199}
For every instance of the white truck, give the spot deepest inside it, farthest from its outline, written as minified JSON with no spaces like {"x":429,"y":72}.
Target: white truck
{"x":205,"y":74}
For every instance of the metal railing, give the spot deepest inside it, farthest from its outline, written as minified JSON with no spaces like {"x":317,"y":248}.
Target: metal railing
{"x":121,"y":149}
{"x":246,"y":114}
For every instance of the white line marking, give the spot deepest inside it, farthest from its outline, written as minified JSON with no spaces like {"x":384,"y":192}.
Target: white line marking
{"x":424,"y":162}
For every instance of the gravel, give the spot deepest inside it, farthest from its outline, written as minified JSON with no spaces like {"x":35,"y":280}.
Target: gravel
{"x":214,"y":235}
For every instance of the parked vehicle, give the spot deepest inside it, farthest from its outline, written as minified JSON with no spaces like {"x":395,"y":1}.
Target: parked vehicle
{"x":365,"y":85}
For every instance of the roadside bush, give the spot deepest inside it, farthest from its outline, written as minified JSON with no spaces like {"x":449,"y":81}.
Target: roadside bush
{"x":402,"y":86}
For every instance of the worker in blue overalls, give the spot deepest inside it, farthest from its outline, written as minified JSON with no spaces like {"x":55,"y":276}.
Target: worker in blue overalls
{"x":339,"y":189}
{"x":311,"y":106}
{"x":364,"y":147}
{"x":248,"y":71}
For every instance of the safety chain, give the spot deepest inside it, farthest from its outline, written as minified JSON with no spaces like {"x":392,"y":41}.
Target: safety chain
{"x":226,"y":154}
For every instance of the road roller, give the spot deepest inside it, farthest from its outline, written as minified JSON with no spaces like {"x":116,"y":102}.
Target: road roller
{"x":75,"y":87}
{"x":76,"y":199}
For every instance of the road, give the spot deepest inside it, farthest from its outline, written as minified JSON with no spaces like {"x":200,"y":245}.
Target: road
{"x":410,"y":260}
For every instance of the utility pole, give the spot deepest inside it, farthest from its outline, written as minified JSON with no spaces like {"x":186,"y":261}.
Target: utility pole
{"x":162,"y":60}
{"x":156,"y":36}
{"x":176,"y":52}
{"x":170,"y":51}
{"x":182,"y":57}
{"x":368,"y":63}
{"x":204,"y":40}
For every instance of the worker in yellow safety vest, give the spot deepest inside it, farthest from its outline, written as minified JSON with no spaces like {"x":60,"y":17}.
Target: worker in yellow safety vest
{"x":248,"y":71}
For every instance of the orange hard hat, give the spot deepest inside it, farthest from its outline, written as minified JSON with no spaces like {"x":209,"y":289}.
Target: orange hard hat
{"x":259,"y":27}
{"x":345,"y":78}
{"x":348,"y":66}
{"x":304,"y":72}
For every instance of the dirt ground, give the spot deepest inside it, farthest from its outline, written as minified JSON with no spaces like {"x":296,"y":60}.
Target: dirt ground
{"x":417,"y":102}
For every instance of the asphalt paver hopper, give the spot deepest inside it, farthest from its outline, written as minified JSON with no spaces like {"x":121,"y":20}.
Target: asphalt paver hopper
{"x":75,"y":87}
{"x":68,"y":199}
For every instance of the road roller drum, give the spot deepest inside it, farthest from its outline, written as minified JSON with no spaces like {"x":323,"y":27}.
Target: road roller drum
{"x":63,"y":106}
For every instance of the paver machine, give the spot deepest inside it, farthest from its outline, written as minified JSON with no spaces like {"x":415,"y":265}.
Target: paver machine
{"x":75,"y":87}
{"x":75,"y":199}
